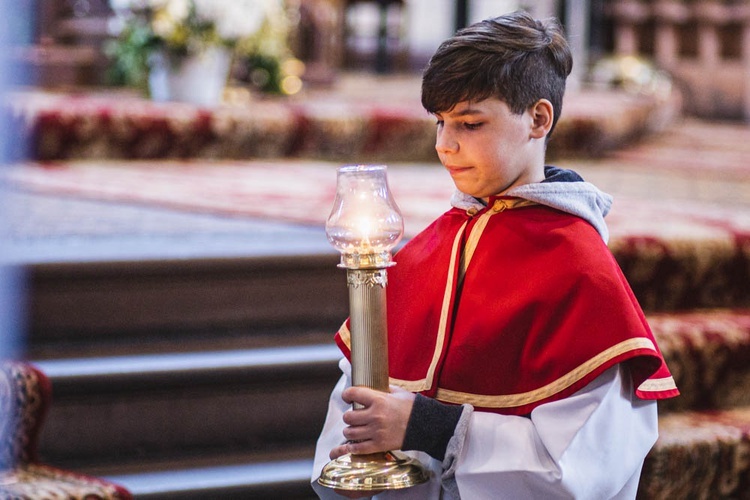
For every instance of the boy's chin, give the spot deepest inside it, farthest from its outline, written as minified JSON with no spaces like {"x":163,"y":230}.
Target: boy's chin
{"x":471,"y":189}
{"x":473,"y":193}
{"x":466,"y":189}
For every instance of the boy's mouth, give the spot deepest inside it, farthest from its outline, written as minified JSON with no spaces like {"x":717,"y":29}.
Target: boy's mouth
{"x":456,"y":169}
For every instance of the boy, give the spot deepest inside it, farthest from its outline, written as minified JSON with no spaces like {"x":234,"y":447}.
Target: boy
{"x":522,"y":364}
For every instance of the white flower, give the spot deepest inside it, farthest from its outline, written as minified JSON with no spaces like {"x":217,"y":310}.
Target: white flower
{"x":178,"y":10}
{"x":236,"y":18}
{"x":245,"y":25}
{"x":164,"y":26}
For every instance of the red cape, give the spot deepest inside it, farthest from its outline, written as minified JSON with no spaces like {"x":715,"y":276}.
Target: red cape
{"x":544,"y":309}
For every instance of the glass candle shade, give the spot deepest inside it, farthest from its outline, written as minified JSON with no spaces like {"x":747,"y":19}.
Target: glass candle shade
{"x":365,"y":224}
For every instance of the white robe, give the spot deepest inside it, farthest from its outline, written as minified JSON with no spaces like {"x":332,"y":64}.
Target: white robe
{"x":590,"y":445}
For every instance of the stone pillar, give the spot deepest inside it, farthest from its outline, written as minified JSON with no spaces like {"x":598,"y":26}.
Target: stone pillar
{"x":627,"y":14}
{"x":744,"y":14}
{"x":711,"y":16}
{"x":668,"y":14}
{"x":577,"y":29}
{"x":317,"y":37}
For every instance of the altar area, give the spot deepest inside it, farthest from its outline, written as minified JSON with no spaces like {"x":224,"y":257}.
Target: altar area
{"x":259,"y":174}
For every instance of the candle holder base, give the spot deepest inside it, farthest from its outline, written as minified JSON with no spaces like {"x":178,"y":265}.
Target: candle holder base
{"x":374,"y":472}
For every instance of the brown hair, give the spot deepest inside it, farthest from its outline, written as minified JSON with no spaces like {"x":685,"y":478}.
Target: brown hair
{"x":514,"y":58}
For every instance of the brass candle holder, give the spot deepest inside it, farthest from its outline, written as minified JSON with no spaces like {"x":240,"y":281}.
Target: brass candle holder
{"x":365,"y":225}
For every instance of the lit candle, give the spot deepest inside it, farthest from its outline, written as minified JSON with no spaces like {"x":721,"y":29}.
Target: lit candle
{"x":364,"y":226}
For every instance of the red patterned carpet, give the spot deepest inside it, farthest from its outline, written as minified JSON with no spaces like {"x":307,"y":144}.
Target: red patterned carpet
{"x":680,"y":186}
{"x":302,"y":191}
{"x":287,"y":190}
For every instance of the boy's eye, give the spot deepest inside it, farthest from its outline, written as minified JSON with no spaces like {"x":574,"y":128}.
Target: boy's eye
{"x":472,"y":126}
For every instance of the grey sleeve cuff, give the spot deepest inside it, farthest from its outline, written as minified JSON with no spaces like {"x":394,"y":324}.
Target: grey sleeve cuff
{"x":452,"y":452}
{"x":431,"y":426}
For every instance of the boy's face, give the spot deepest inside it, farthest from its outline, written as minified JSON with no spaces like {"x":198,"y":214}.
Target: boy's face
{"x":487,"y":149}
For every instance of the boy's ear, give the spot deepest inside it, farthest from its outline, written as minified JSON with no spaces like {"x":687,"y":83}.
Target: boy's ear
{"x":542,"y":114}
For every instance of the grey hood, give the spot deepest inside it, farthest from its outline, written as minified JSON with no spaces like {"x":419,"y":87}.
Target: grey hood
{"x":563,"y":190}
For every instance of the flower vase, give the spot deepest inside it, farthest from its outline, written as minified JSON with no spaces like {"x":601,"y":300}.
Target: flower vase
{"x":197,"y":79}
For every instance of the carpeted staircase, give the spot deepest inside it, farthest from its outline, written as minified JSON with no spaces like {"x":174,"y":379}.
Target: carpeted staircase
{"x":208,"y":377}
{"x":203,"y":378}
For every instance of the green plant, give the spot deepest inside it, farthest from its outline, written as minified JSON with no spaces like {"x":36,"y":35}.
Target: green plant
{"x":129,"y":54}
{"x":253,"y":29}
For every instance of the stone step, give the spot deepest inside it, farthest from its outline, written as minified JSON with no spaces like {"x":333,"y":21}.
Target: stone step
{"x":289,"y":479}
{"x":695,"y":277}
{"x":699,"y":455}
{"x":682,"y":464}
{"x":181,"y":341}
{"x":114,"y":308}
{"x":119,"y":411}
{"x":708,"y":353}
{"x":214,"y":395}
{"x":88,"y":309}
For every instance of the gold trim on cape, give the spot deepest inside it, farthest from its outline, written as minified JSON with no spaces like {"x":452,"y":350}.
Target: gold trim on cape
{"x":444,"y":312}
{"x":525,"y":398}
{"x":658,"y":385}
{"x":345,"y":335}
{"x":471,"y":243}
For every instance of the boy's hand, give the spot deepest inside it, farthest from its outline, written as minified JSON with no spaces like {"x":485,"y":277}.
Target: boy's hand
{"x":380,"y":425}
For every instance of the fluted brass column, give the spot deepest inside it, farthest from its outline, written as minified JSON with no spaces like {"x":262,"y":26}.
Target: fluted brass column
{"x":367,"y":309}
{"x":369,"y":355}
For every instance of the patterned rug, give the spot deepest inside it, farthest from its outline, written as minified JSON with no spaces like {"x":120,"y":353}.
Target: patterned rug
{"x":284,"y":190}
{"x":646,"y":203}
{"x":690,"y":183}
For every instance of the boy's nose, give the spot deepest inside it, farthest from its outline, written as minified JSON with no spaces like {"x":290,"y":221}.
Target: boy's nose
{"x":445,"y":143}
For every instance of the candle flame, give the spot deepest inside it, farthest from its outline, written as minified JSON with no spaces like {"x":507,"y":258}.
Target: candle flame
{"x":365,"y":229}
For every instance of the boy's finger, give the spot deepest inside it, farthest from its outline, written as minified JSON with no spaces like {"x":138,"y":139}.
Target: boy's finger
{"x":358,"y":433}
{"x":356,"y":418}
{"x":361,"y":395}
{"x":362,"y":447}
{"x":337,"y":452}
